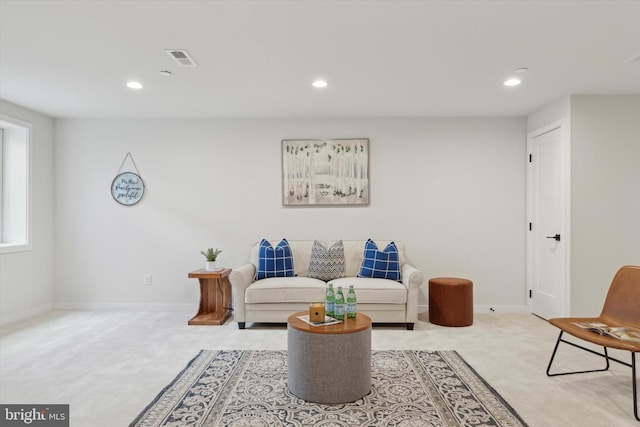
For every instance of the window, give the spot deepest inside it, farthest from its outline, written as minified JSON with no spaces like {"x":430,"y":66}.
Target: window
{"x":14,"y":185}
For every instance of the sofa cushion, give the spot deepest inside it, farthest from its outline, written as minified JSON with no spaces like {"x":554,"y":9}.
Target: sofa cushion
{"x":274,"y":262}
{"x":326,"y":264}
{"x":378,"y":264}
{"x":374,"y":291}
{"x":285,"y":289}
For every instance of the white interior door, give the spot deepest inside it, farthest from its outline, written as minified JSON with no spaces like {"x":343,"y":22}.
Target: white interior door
{"x":546,"y":239}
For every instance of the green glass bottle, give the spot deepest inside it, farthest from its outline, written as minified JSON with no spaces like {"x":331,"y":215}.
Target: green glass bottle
{"x":339,"y":310}
{"x":330,"y":302}
{"x":351,"y":303}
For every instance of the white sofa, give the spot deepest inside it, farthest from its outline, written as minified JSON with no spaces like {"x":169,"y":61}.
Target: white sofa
{"x":274,"y":299}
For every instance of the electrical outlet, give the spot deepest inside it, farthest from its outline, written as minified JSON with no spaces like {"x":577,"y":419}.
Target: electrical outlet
{"x":147,"y":279}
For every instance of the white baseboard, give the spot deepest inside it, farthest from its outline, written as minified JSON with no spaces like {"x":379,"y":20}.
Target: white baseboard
{"x":126,"y":307}
{"x":488,"y":309}
{"x":500,"y":309}
{"x":25,"y":314}
{"x":193,"y":308}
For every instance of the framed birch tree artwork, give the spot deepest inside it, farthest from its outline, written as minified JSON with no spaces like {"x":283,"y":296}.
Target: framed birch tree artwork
{"x":325,"y":172}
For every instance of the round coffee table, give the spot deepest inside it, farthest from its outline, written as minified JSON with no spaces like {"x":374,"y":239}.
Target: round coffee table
{"x":329,"y":364}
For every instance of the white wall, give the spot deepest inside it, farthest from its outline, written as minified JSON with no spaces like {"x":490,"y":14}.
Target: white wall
{"x":605,"y":202}
{"x":451,"y":189}
{"x":26,"y":278}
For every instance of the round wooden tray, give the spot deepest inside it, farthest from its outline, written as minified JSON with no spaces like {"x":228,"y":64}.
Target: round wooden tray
{"x":347,"y":326}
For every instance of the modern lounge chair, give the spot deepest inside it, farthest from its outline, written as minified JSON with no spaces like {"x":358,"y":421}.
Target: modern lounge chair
{"x":621,"y":309}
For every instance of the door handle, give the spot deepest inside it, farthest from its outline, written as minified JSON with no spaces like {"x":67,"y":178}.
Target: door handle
{"x":555,"y":237}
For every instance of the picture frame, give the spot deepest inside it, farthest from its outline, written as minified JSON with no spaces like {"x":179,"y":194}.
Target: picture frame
{"x":325,"y":172}
{"x":127,"y":188}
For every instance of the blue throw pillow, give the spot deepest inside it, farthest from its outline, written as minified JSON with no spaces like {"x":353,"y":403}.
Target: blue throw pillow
{"x":274,"y":262}
{"x":383,"y":264}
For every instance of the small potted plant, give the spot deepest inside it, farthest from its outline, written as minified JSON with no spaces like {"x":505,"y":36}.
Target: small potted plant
{"x":211,"y":256}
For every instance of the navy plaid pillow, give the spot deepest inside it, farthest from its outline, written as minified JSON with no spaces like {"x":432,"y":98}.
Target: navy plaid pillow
{"x":383,"y":264}
{"x":274,"y":262}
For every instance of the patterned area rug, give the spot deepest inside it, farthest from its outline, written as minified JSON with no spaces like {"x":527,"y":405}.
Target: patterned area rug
{"x":237,"y":388}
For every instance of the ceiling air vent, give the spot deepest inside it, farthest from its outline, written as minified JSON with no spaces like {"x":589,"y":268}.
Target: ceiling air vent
{"x":182,"y":57}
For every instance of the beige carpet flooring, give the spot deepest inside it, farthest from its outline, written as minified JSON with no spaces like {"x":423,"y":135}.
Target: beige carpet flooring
{"x":109,"y":365}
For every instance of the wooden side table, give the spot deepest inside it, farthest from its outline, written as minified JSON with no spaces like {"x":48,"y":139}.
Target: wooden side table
{"x":215,"y":297}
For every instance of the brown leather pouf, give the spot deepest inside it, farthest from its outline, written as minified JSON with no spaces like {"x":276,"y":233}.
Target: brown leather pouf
{"x":451,"y":301}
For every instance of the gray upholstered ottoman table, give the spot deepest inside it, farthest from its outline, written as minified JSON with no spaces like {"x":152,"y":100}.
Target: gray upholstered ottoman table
{"x":329,"y":364}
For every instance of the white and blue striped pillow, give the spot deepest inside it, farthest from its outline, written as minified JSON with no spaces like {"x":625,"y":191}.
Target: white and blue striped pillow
{"x":378,"y":264}
{"x":274,"y":262}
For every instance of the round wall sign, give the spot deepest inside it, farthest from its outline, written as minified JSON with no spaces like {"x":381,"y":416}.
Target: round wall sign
{"x":127,"y":188}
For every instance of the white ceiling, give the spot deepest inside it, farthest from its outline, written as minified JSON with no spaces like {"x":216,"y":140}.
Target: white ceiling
{"x":258,"y":58}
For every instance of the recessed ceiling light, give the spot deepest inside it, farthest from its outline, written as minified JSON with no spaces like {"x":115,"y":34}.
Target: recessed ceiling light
{"x":319,"y":83}
{"x":512,"y":82}
{"x":134,"y":85}
{"x":165,"y":73}
{"x":521,"y":70}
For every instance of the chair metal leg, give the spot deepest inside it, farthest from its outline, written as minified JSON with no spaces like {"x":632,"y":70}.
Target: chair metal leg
{"x":632,"y":365}
{"x":555,"y":349}
{"x":635,"y":386}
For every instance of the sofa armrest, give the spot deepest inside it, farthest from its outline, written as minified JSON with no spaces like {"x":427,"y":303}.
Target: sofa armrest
{"x":412,"y":278}
{"x":240,"y":279}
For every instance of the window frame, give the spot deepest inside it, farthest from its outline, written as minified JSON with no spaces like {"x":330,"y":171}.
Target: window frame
{"x":26,"y":245}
